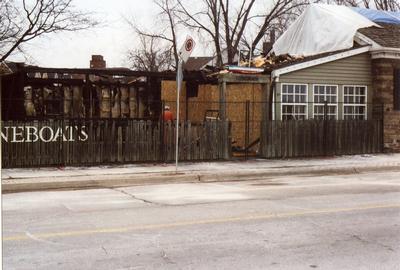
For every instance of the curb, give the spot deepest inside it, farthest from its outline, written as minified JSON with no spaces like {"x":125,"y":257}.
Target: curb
{"x":124,"y":180}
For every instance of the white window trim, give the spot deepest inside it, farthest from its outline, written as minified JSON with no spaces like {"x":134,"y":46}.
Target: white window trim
{"x":329,"y":104}
{"x":302,"y":104}
{"x":349,"y":104}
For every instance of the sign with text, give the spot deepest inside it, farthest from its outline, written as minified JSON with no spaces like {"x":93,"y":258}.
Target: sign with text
{"x":31,"y":134}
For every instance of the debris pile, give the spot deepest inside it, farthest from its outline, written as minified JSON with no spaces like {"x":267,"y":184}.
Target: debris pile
{"x":260,"y":64}
{"x":273,"y":60}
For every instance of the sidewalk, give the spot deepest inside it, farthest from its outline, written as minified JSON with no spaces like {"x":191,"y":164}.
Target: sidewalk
{"x":15,"y":180}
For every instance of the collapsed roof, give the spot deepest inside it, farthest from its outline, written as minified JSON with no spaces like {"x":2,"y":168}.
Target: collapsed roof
{"x":326,"y":28}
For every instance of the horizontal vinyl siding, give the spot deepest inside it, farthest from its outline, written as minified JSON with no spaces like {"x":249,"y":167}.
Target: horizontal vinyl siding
{"x":352,"y":70}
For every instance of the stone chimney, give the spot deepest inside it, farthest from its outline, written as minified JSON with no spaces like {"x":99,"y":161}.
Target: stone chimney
{"x":272,"y":36}
{"x":97,"y":62}
{"x":267,"y":46}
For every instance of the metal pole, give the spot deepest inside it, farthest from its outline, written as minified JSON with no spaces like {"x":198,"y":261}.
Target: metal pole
{"x":1,"y":140}
{"x":179,"y":77}
{"x":1,"y":165}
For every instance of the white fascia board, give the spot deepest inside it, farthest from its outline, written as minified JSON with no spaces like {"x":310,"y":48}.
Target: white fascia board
{"x":319,"y":61}
{"x":389,"y":53}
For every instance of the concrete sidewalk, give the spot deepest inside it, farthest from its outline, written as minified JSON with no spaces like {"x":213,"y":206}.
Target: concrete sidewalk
{"x":16,"y":180}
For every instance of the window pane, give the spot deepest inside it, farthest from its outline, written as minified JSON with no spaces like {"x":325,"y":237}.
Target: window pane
{"x":296,"y":94}
{"x":355,"y":102}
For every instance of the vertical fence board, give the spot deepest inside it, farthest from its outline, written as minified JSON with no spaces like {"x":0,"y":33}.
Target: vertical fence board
{"x":308,"y":138}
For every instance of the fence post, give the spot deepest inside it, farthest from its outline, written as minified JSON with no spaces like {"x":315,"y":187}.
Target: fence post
{"x":247,"y":129}
{"x":162,"y":137}
{"x":325,"y":127}
{"x":382,"y":120}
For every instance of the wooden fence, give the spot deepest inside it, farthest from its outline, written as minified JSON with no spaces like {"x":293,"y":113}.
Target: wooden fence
{"x":95,"y":142}
{"x":286,"y":139}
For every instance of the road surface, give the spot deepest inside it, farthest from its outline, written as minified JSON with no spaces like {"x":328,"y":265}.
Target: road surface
{"x":318,"y":222}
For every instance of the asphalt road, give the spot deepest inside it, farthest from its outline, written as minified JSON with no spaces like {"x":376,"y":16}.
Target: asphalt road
{"x":326,"y":222}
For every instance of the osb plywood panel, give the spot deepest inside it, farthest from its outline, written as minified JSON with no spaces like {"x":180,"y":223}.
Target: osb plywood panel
{"x":236,"y":97}
{"x":168,"y":95}
{"x":204,"y":101}
{"x":208,"y":99}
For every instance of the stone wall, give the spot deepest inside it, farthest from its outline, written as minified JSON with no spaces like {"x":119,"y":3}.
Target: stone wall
{"x":383,"y":82}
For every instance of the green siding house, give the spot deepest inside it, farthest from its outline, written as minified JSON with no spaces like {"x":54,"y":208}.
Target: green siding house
{"x":343,"y":80}
{"x":352,"y":83}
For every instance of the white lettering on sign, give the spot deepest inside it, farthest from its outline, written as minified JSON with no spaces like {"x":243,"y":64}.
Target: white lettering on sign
{"x":43,"y":135}
{"x":3,"y":136}
{"x":18,"y":135}
{"x":31,"y":134}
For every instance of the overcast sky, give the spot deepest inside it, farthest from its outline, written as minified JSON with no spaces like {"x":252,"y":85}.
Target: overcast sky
{"x":111,"y":40}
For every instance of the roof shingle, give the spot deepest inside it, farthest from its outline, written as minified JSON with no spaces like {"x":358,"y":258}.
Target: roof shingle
{"x":387,"y":36}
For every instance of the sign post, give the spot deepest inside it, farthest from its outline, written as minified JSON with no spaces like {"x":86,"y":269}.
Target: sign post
{"x":184,"y":55}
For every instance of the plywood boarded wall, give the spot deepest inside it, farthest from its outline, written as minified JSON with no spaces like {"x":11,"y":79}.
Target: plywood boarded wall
{"x":236,"y":97}
{"x":208,"y":99}
{"x":168,"y":95}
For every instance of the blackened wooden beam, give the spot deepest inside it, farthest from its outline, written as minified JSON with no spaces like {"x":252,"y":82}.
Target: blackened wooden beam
{"x":193,"y":75}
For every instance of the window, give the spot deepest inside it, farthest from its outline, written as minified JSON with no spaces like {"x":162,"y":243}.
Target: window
{"x":322,"y":94}
{"x":294,"y":101}
{"x":355,"y":102}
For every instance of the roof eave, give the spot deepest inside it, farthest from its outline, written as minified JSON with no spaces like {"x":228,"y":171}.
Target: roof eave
{"x":385,"y":52}
{"x":364,"y":40}
{"x":326,"y":59}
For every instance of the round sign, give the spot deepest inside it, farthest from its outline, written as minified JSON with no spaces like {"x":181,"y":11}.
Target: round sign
{"x":189,"y":45}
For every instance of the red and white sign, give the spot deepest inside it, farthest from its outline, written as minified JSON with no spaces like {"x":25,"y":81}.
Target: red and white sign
{"x":187,"y":48}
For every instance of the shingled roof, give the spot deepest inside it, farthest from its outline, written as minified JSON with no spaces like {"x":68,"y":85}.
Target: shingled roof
{"x":387,"y":36}
{"x":196,"y":63}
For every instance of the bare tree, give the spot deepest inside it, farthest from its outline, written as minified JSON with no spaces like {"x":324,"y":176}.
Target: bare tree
{"x":226,"y":23}
{"x":150,"y":56}
{"x":8,"y":23}
{"x":214,"y":18}
{"x":169,"y":33}
{"x":23,"y":22}
{"x":387,"y":5}
{"x":234,"y":27}
{"x":278,"y":18}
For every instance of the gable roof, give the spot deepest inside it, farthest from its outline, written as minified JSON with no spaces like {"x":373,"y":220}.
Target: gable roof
{"x":387,"y":36}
